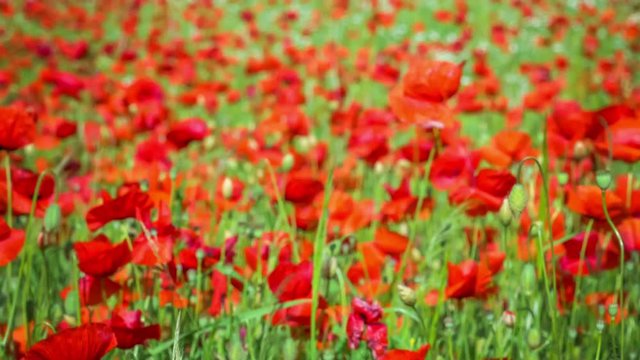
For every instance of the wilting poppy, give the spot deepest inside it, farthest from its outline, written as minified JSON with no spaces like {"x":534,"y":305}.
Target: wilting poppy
{"x":365,"y":324}
{"x":87,"y":342}
{"x":130,"y":331}
{"x":17,"y":128}
{"x":11,"y":243}
{"x":100,"y":258}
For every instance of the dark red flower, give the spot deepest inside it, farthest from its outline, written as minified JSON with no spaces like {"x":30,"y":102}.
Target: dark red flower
{"x":94,"y":291}
{"x":100,"y":258}
{"x":130,"y":331}
{"x":17,"y":128}
{"x":290,"y":281}
{"x":302,"y":190}
{"x":184,"y":132}
{"x":87,"y":342}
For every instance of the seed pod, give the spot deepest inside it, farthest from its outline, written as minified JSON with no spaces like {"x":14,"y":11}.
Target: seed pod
{"x":603,"y":179}
{"x":518,"y":199}
{"x":407,"y":295}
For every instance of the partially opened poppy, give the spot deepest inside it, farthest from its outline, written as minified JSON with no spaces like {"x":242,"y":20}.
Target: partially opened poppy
{"x":11,"y":243}
{"x":17,"y":128}
{"x":129,"y":330}
{"x":100,"y":258}
{"x":87,"y":342}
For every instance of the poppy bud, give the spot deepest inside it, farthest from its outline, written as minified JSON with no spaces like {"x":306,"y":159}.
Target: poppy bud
{"x":227,"y":188}
{"x":329,"y":268}
{"x":534,"y":338}
{"x":536,"y":227}
{"x":603,"y":179}
{"x":563,"y":178}
{"x":287,"y":162}
{"x":528,"y":279}
{"x":52,"y":218}
{"x":508,"y":319}
{"x":505,"y":215}
{"x":518,"y":199}
{"x":302,"y":144}
{"x":580,"y":151}
{"x":407,"y":295}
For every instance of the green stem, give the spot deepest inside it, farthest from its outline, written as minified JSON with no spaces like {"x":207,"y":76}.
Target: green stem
{"x":620,"y":280}
{"x":7,"y":172}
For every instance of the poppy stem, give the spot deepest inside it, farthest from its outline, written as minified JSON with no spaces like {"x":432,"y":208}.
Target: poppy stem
{"x":620,"y":279}
{"x":318,"y":250}
{"x":581,"y":273}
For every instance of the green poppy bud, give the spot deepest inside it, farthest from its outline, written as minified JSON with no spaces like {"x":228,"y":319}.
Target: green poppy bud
{"x":505,"y":215}
{"x":528,"y":279}
{"x":407,"y":295}
{"x":563,"y":178}
{"x":287,"y":162}
{"x":518,"y":199}
{"x":534,"y":338}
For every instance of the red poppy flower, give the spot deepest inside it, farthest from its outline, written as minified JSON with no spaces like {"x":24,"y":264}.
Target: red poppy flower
{"x":17,"y":128}
{"x":419,"y":354}
{"x":122,"y":207}
{"x":187,"y":131}
{"x":23,"y":185}
{"x":100,"y":258}
{"x":508,"y":147}
{"x":455,"y":165}
{"x":489,"y":188}
{"x":472,"y":279}
{"x":625,"y":138}
{"x":364,"y":323}
{"x":11,"y":243}
{"x":630,"y":232}
{"x":389,"y":242}
{"x":143,"y":90}
{"x":573,"y":248}
{"x":130,"y":331}
{"x":290,"y":281}
{"x":586,"y":200}
{"x":87,"y":342}
{"x":302,"y":190}
{"x":433,"y":81}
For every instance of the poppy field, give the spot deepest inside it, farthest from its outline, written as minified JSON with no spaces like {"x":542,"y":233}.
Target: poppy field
{"x":316,"y":179}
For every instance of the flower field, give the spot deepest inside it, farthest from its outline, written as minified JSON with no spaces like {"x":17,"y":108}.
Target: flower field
{"x":319,"y":179}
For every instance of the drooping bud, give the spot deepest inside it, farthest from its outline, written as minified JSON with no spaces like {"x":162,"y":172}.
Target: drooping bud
{"x":227,"y":188}
{"x":407,"y":295}
{"x":505,"y":215}
{"x":518,"y":199}
{"x":603,"y":179}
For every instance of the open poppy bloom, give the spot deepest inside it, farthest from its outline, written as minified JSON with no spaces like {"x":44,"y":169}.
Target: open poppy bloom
{"x":187,"y":131}
{"x":625,"y":138}
{"x":586,"y":200}
{"x":508,"y":147}
{"x":129,"y":205}
{"x":365,"y":324}
{"x":129,"y":330}
{"x":23,"y":186}
{"x":17,"y":128}
{"x":302,"y":190}
{"x":473,"y":279}
{"x":99,"y":258}
{"x":486,"y":192}
{"x":11,"y":243}
{"x":87,"y":342}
